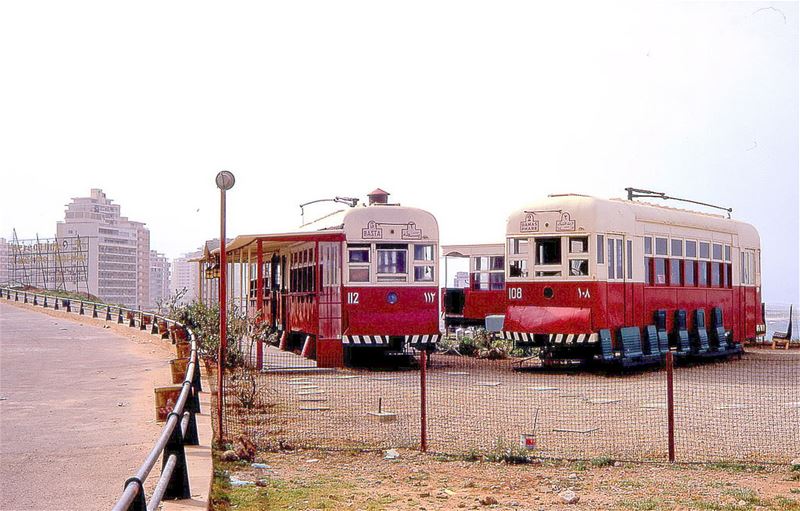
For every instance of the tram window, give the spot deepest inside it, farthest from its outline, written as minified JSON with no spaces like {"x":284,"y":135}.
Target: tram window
{"x":661,"y":271}
{"x":359,"y":274}
{"x":611,"y":259}
{"x":600,"y":249}
{"x":497,"y":263}
{"x":648,"y":270}
{"x":704,"y":250}
{"x":716,"y":277}
{"x":630,"y":258}
{"x":423,"y":273}
{"x":702,"y":274}
{"x":691,"y":248}
{"x":423,"y":252}
{"x":717,"y":252}
{"x":728,"y":275}
{"x":674,"y":272}
{"x":727,"y":253}
{"x":661,"y":246}
{"x":648,"y":245}
{"x":578,"y":267}
{"x":358,"y":253}
{"x":548,"y":251}
{"x":392,"y":259}
{"x":518,"y":268}
{"x":579,"y":245}
{"x":518,"y":246}
{"x":676,"y":248}
{"x":688,"y":273}
{"x":480,"y":281}
{"x":481,"y":263}
{"x":497,"y":281}
{"x":548,"y":273}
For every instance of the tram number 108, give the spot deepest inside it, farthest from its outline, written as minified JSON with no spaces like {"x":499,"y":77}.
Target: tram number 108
{"x":515,"y":293}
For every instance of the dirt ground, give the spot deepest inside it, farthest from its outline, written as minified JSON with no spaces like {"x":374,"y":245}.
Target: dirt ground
{"x":311,"y":479}
{"x":744,"y":410}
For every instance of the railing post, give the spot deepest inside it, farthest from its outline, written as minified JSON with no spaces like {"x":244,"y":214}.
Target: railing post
{"x":35,"y":301}
{"x":16,"y":296}
{"x":25,"y":297}
{"x":81,"y":311}
{"x":119,"y":318}
{"x":178,"y":485}
{"x":670,"y":409}
{"x":154,"y":326}
{"x":45,"y":302}
{"x":94,"y":310}
{"x":132,"y":319}
{"x":423,"y":419}
{"x":142,"y":325}
{"x":108,"y":313}
{"x":193,"y":408}
{"x":69,"y":305}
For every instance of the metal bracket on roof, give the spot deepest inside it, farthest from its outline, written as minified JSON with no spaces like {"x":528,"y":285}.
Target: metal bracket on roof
{"x":350,"y":201}
{"x":635,"y":193}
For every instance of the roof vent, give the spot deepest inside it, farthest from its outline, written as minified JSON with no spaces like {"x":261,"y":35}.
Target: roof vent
{"x":378,"y":196}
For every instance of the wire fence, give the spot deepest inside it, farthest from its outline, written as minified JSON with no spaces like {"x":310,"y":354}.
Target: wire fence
{"x":735,"y":410}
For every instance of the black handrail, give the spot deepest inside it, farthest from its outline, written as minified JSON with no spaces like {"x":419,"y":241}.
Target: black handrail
{"x":180,"y":428}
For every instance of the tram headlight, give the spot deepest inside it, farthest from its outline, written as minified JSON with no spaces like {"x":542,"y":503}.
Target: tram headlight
{"x":391,"y":298}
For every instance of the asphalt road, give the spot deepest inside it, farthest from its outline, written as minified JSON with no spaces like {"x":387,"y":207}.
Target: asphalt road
{"x":76,"y":408}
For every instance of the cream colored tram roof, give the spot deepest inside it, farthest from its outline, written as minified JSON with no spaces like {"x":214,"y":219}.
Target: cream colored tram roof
{"x":478,"y":249}
{"x":593,"y":214}
{"x":396,"y":223}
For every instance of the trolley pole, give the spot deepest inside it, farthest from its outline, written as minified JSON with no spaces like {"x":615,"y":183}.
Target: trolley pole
{"x":670,"y":409}
{"x":225,"y":181}
{"x":423,"y":409}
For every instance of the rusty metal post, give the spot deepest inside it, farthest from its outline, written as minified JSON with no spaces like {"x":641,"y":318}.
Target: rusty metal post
{"x":423,"y":408}
{"x":670,"y":409}
{"x":259,"y":301}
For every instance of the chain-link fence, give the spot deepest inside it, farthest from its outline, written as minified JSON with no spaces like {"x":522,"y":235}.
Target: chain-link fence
{"x":739,"y":410}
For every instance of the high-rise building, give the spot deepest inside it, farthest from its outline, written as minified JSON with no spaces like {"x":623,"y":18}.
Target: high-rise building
{"x":159,"y":278}
{"x":5,"y":250}
{"x":184,"y":276}
{"x":119,"y":262}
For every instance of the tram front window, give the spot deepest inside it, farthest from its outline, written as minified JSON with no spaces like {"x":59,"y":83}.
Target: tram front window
{"x":548,"y":251}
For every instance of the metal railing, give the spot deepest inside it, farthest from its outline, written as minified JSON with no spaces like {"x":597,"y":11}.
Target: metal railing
{"x":179,"y":430}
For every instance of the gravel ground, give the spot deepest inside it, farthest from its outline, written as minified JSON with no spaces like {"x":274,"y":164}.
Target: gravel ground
{"x":737,"y":410}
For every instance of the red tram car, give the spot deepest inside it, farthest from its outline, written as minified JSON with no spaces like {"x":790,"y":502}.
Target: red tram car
{"x":585,"y":276}
{"x":358,"y":287}
{"x":485,"y":290}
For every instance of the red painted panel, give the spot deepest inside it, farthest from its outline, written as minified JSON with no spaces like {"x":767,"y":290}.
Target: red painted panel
{"x":329,"y":353}
{"x":545,"y":320}
{"x":479,"y":304}
{"x":303,"y":313}
{"x":412,"y":314}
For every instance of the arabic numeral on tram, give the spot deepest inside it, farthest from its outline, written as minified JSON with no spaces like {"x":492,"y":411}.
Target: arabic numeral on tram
{"x":352,"y":298}
{"x":515,"y":293}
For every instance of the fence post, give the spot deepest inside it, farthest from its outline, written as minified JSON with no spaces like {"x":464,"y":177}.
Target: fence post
{"x":69,"y":305}
{"x":139,"y":503}
{"x":25,"y":297}
{"x":119,"y":318}
{"x":423,"y":409}
{"x":670,"y":409}
{"x":178,"y":485}
{"x":35,"y":300}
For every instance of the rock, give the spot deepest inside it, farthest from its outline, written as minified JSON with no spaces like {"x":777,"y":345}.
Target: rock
{"x":573,"y":475}
{"x":391,"y":454}
{"x":741,"y":503}
{"x":617,"y":464}
{"x":262,"y":482}
{"x":259,"y":465}
{"x":469,"y":484}
{"x":312,"y":460}
{"x":569,"y":497}
{"x":795,"y":464}
{"x":229,"y":455}
{"x":488,"y":501}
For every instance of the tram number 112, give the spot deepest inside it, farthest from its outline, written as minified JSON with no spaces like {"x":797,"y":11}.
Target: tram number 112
{"x":515,"y":293}
{"x":352,"y":298}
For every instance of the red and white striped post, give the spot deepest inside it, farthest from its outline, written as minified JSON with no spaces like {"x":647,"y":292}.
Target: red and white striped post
{"x":225,"y":181}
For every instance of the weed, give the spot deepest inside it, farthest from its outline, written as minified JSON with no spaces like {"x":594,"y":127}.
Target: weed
{"x":602,"y":461}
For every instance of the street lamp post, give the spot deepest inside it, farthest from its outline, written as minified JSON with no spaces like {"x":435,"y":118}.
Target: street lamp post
{"x":225,"y":181}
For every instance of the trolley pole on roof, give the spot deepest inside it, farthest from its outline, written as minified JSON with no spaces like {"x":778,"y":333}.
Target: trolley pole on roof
{"x":225,"y":181}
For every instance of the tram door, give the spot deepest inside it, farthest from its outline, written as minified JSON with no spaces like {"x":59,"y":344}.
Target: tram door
{"x":275,"y":289}
{"x":620,"y":289}
{"x":284,"y":292}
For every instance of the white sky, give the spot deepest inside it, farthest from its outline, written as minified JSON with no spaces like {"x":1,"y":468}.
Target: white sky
{"x":467,"y":109}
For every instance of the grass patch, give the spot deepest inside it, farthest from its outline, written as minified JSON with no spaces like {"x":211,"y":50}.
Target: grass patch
{"x":645,"y":505}
{"x":602,"y":461}
{"x":736,"y":467}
